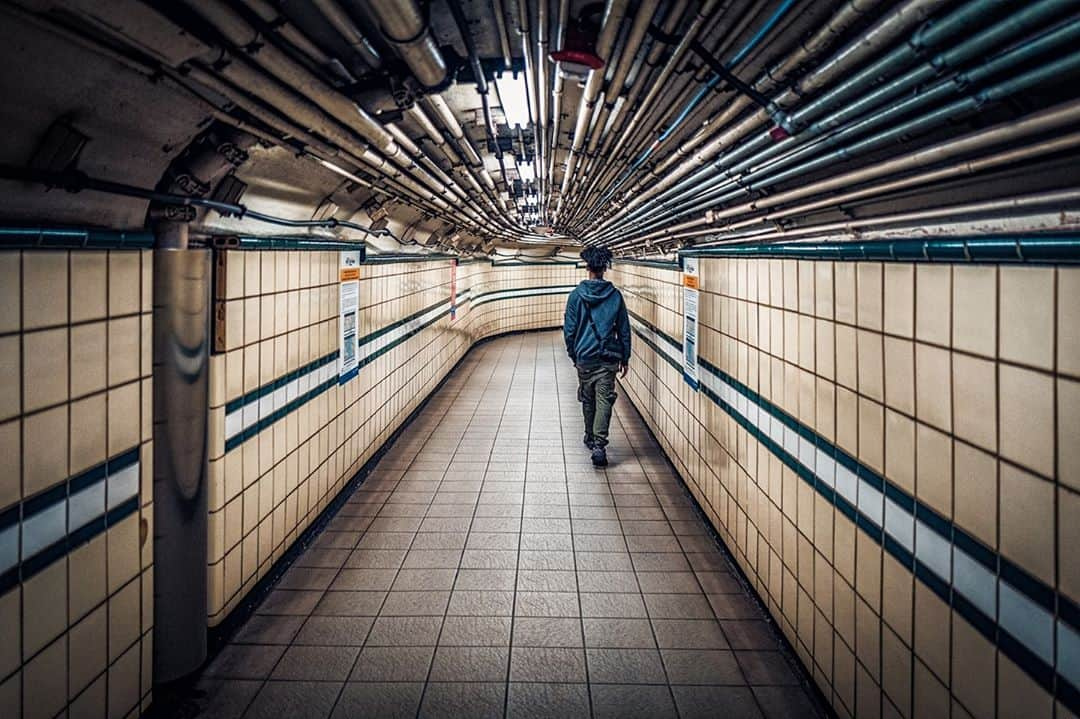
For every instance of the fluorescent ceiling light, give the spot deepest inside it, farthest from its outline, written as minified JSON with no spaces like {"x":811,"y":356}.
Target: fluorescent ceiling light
{"x":526,"y":171}
{"x":514,"y":98}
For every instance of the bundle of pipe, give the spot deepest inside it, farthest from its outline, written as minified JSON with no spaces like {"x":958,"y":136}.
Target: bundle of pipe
{"x":682,"y":196}
{"x":935,"y":35}
{"x":882,"y":34}
{"x":767,"y":169}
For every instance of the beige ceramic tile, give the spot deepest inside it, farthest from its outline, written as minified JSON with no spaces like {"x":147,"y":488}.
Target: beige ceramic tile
{"x":974,"y":300}
{"x":44,"y":607}
{"x":932,"y":386}
{"x":975,"y":487}
{"x":973,"y":673}
{"x":869,"y":294}
{"x":45,"y":449}
{"x":88,"y":641}
{"x":1068,"y":536}
{"x":846,"y":356}
{"x":1068,"y":429}
{"x":872,"y":434}
{"x":11,"y":454}
{"x":900,"y":375}
{"x":823,"y":289}
{"x":1018,"y":694}
{"x":900,"y":450}
{"x":844,"y":283}
{"x":10,"y":374}
{"x":1027,"y":530}
{"x":45,"y":368}
{"x":87,"y":433}
{"x":933,"y":481}
{"x":123,"y":548}
{"x":123,"y":422}
{"x":899,"y":283}
{"x":931,"y":696}
{"x":870,"y":365}
{"x":896,"y":672}
{"x":124,"y":350}
{"x":125,"y":273}
{"x":1068,"y":320}
{"x":44,"y":283}
{"x":1027,"y":416}
{"x":90,"y":286}
{"x":124,"y":683}
{"x":932,"y":634}
{"x":86,"y":571}
{"x":91,"y":349}
{"x":10,"y":291}
{"x":45,"y":682}
{"x":933,"y":303}
{"x":975,"y":400}
{"x":1027,"y":323}
{"x":124,"y":619}
{"x":146,"y":298}
{"x":10,"y":621}
{"x":897,"y":598}
{"x":92,"y":702}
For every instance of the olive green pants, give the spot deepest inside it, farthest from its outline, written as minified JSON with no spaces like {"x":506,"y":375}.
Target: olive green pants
{"x":596,"y":392}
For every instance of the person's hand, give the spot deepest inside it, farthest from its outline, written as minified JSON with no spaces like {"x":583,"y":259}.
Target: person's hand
{"x":623,"y":369}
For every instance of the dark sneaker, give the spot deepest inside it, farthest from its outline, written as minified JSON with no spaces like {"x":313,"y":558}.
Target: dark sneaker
{"x":589,"y":441}
{"x":599,"y":457}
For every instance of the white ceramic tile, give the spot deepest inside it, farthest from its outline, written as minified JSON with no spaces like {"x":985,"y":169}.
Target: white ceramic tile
{"x":1026,"y":621}
{"x":43,"y":529}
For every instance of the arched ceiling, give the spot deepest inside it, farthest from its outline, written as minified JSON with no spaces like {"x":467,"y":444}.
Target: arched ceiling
{"x":451,"y":126}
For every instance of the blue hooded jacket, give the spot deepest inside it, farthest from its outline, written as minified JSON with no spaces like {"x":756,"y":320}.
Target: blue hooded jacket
{"x":609,"y":315}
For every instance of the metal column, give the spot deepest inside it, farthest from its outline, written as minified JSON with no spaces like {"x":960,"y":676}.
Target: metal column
{"x":181,"y":410}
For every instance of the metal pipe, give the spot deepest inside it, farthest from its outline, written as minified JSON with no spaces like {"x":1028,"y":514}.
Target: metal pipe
{"x":504,"y":36}
{"x":405,"y":26}
{"x":711,"y":189}
{"x":661,"y":81}
{"x":346,"y":27}
{"x":1026,"y":153}
{"x":270,"y":15}
{"x":1055,"y":199}
{"x":881,"y":34}
{"x":613,"y":16}
{"x":1060,"y":116}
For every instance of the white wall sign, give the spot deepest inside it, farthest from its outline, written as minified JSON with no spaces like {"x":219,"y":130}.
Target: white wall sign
{"x":453,"y":290}
{"x":348,"y":362}
{"x":690,"y":320}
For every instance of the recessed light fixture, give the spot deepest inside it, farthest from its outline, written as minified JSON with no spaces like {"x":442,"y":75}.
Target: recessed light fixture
{"x":514,"y":98}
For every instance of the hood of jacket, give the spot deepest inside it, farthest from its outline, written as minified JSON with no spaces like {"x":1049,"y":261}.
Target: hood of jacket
{"x":596,"y":292}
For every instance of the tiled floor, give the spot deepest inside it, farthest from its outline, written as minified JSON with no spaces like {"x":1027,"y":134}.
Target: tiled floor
{"x":485,"y":568}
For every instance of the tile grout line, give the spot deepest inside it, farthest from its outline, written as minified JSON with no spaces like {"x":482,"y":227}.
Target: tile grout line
{"x":468,"y":532}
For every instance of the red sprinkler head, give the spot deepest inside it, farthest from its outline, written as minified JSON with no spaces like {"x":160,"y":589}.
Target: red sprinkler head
{"x":778,"y":133}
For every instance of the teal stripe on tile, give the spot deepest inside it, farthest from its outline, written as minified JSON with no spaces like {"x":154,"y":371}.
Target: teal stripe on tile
{"x":245,"y":403}
{"x":44,"y":528}
{"x":1046,"y":248}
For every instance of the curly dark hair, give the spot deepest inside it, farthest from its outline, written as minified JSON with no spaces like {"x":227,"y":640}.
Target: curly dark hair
{"x":597,"y":258}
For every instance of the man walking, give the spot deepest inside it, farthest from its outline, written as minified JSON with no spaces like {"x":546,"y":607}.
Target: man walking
{"x":596,"y":329}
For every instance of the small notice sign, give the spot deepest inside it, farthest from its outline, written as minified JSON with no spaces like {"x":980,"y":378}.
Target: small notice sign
{"x":690,"y":320}
{"x":349,"y":279}
{"x":453,"y":290}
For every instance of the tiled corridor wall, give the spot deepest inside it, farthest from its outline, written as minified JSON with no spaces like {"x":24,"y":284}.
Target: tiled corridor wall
{"x":76,"y":599}
{"x":285,"y":436}
{"x":890,"y":451}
